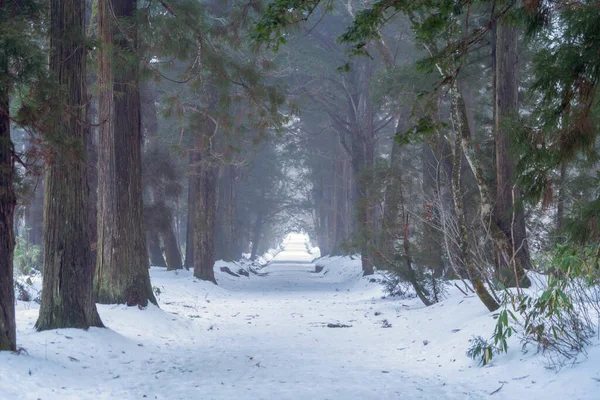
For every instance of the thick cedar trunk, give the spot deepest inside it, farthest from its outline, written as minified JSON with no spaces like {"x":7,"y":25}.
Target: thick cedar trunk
{"x":8,"y":335}
{"x":92,"y":165}
{"x":204,"y":213}
{"x":122,"y":264}
{"x":508,"y":215}
{"x":192,"y":193}
{"x":460,"y":126}
{"x":154,"y":250}
{"x":67,"y":300}
{"x":92,"y":144}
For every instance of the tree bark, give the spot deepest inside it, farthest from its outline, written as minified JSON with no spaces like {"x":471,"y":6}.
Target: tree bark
{"x":34,"y":214}
{"x":226,"y":216}
{"x":256,"y":234}
{"x":395,"y":226}
{"x":154,"y":250}
{"x":204,"y":213}
{"x":392,"y":222}
{"x":510,"y":218}
{"x":8,"y":200}
{"x":460,"y":127}
{"x":192,"y":192}
{"x":67,"y":300}
{"x":362,"y":160}
{"x":432,"y":249}
{"x":171,"y":247}
{"x":122,"y":264}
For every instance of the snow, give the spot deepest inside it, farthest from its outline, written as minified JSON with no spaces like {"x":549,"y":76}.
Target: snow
{"x":266,"y":337}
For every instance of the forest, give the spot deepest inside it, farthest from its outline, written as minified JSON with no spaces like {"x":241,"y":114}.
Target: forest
{"x":290,"y":199}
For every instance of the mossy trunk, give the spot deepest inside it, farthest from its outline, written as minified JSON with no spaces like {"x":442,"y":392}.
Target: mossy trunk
{"x":8,"y":335}
{"x":122,"y":264}
{"x":67,"y":300}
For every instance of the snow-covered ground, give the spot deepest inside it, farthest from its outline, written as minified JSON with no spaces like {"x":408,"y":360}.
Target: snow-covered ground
{"x":267,"y":337}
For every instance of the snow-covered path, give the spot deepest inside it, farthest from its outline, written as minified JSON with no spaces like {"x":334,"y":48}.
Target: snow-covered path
{"x":266,"y":337}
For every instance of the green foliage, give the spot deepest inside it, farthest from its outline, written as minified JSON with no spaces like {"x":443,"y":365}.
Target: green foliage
{"x":564,"y":125}
{"x":558,"y":320}
{"x":281,"y":14}
{"x":27,"y":257}
{"x":481,"y":350}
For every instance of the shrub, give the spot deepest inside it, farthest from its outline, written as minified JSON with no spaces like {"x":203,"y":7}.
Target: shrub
{"x":558,"y":322}
{"x":27,"y":257}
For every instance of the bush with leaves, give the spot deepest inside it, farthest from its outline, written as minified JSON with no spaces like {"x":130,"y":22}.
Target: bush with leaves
{"x":560,"y":321}
{"x":27,"y":257}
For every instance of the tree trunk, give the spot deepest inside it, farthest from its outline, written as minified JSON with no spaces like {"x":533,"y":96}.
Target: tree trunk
{"x":172,"y":253}
{"x":192,"y":193}
{"x":34,"y":214}
{"x":395,"y":226}
{"x":459,"y":124}
{"x":92,"y":144}
{"x":256,"y":234}
{"x":8,"y":200}
{"x":154,"y":250}
{"x":392,"y":221}
{"x":560,"y":207}
{"x":122,"y":264}
{"x":509,"y":216}
{"x":226,"y":216}
{"x":67,"y":300}
{"x":204,"y":214}
{"x":432,"y":249}
{"x":92,"y":166}
{"x":501,"y":241}
{"x":361,"y":161}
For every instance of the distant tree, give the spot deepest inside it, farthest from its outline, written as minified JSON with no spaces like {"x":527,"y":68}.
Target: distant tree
{"x":162,"y":186}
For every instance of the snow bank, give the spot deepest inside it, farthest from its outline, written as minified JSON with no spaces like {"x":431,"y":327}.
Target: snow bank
{"x":291,"y":333}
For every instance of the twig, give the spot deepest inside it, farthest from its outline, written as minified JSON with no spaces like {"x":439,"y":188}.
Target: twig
{"x":497,"y":390}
